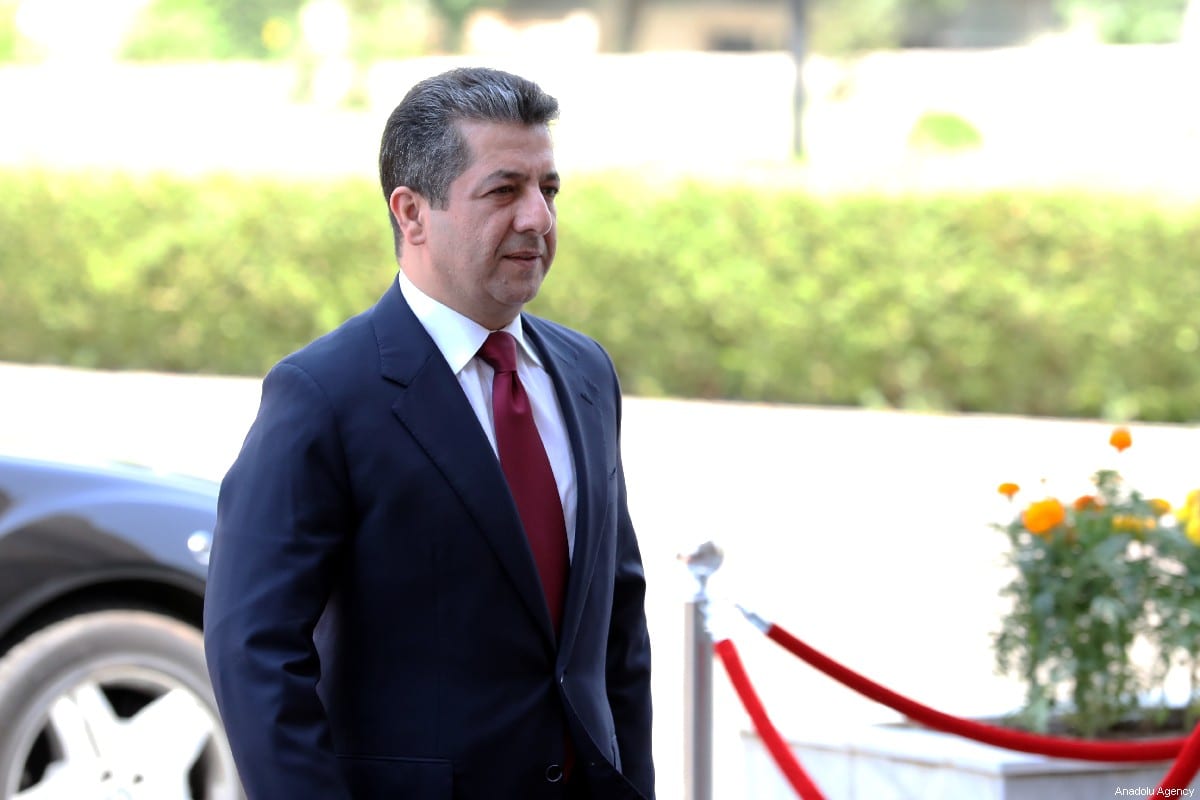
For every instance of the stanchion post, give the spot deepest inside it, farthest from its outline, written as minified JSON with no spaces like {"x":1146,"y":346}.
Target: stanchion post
{"x":697,"y":679}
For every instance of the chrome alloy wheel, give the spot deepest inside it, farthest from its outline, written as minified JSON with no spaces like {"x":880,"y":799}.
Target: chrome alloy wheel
{"x":112,"y":705}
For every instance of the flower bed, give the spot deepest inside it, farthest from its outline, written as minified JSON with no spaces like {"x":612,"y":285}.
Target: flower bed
{"x":1094,"y":578}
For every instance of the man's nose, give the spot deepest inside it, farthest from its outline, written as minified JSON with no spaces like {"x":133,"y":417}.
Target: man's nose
{"x":534,"y":214}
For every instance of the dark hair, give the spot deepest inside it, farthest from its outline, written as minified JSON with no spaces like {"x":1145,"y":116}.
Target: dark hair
{"x":422,"y":147}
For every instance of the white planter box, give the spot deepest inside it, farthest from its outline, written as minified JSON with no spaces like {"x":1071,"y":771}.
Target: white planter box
{"x":896,"y":762}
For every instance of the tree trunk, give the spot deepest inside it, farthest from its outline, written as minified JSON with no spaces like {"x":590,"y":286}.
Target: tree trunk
{"x":629,"y":17}
{"x":799,"y":48}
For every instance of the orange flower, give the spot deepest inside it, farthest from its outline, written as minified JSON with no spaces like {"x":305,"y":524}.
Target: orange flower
{"x":1160,"y":506}
{"x":1043,"y":516}
{"x":1086,"y":502}
{"x":1008,"y":489}
{"x":1120,"y":438}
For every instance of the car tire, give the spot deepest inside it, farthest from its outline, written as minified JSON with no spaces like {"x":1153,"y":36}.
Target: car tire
{"x":112,"y":703}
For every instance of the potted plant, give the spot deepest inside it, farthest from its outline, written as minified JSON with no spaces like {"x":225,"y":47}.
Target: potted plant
{"x":1092,"y":580}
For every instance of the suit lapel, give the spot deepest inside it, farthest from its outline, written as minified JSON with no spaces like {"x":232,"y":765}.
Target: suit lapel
{"x":577,"y":398}
{"x":431,"y":405}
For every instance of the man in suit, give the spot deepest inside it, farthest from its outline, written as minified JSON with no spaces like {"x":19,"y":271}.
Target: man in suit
{"x":396,"y":607}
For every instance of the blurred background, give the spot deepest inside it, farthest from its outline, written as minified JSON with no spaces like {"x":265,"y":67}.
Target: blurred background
{"x":885,"y":253}
{"x":862,"y":93}
{"x":916,"y":190}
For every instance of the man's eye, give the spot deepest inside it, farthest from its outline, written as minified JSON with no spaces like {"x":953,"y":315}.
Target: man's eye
{"x":502,"y":190}
{"x":550,"y":191}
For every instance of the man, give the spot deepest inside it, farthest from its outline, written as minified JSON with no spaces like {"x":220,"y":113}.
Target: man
{"x":396,"y":608}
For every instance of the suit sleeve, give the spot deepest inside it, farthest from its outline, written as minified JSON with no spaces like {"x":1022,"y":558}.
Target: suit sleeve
{"x":281,"y":523}
{"x":628,"y":666}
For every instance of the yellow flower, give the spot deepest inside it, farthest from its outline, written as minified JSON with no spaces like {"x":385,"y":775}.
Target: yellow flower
{"x":1120,"y":438}
{"x":1161,"y":507}
{"x":1188,"y":515}
{"x":1190,"y":506}
{"x":1132,"y":524}
{"x":1008,"y":489}
{"x":1187,"y":510}
{"x":1043,"y":516}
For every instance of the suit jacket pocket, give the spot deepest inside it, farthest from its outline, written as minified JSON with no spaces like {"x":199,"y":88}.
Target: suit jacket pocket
{"x":383,"y":778}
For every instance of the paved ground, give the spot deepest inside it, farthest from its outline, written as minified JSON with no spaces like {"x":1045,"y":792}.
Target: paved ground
{"x":865,"y":533}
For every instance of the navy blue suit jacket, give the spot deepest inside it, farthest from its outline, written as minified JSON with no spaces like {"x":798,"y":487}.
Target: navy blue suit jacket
{"x":374,"y":624}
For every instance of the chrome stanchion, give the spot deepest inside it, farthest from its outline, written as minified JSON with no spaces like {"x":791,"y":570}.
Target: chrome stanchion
{"x":697,"y":681}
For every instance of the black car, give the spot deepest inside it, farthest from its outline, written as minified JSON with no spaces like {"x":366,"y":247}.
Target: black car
{"x":103,"y":688}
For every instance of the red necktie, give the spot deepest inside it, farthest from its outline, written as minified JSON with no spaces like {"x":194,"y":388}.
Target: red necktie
{"x":527,"y":468}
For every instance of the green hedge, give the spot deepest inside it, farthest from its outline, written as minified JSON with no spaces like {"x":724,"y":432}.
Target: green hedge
{"x":1055,"y":304}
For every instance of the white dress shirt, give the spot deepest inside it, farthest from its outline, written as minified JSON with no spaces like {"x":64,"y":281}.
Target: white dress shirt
{"x":459,"y":339}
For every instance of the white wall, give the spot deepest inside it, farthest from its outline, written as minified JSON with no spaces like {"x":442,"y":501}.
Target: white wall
{"x":1115,"y":117}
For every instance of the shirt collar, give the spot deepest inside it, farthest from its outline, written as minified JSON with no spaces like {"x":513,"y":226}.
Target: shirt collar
{"x":456,"y":336}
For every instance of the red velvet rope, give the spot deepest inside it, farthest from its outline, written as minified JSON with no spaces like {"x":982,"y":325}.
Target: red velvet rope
{"x":784,"y":758}
{"x":1184,"y":768}
{"x":1154,"y":750}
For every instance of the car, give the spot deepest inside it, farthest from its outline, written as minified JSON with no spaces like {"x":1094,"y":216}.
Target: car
{"x":103,"y":687}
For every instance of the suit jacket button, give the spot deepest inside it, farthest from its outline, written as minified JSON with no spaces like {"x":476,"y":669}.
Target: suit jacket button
{"x":554,"y":773}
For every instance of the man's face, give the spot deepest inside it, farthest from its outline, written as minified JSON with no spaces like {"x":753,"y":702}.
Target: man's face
{"x":488,"y":250}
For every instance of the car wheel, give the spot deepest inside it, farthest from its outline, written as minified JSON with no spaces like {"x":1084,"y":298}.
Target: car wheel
{"x":112,"y":704}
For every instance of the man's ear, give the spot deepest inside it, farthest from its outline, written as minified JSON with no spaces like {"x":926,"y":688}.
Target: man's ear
{"x":410,"y":211}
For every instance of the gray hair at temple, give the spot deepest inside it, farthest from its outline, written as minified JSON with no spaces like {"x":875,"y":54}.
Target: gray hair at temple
{"x":422,"y":147}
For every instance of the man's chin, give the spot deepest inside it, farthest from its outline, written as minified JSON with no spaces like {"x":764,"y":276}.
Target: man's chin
{"x":507,"y":300}
{"x":521,"y":286}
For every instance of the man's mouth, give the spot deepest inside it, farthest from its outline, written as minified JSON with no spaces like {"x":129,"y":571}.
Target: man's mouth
{"x":523,"y":255}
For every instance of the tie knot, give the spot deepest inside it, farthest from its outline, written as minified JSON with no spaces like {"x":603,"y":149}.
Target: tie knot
{"x":500,"y":351}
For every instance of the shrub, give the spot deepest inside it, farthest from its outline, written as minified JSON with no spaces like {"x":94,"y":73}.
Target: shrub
{"x":943,"y":131}
{"x":8,"y":31}
{"x":1015,"y":302}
